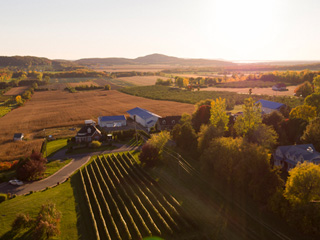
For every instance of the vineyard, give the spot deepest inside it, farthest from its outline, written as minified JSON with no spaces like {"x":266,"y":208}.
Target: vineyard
{"x":126,"y":203}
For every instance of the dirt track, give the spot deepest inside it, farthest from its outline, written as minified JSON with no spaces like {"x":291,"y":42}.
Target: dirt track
{"x":257,"y":91}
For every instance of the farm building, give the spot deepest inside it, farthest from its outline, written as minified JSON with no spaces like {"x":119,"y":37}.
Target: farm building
{"x":89,"y":122}
{"x":112,"y":121}
{"x":88,"y":133}
{"x":279,"y":87}
{"x":269,"y":106}
{"x":167,"y":123}
{"x":288,"y":157}
{"x":144,"y":117}
{"x":18,"y":137}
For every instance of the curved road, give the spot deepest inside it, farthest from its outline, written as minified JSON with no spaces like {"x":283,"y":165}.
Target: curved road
{"x":61,"y":175}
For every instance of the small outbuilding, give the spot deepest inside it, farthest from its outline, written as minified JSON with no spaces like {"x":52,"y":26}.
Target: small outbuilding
{"x":144,"y":117}
{"x":279,"y":87}
{"x":18,"y":137}
{"x":112,"y":121}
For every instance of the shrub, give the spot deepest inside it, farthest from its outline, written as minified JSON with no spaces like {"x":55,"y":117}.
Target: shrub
{"x":32,"y":167}
{"x":149,"y":155}
{"x":95,"y":144}
{"x":3,"y":197}
{"x":21,"y":221}
{"x":107,"y":87}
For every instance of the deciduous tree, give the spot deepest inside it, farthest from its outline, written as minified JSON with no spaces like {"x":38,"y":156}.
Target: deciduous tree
{"x":304,"y":89}
{"x":312,"y":134}
{"x":305,"y":112}
{"x":218,"y":113}
{"x":303,"y":184}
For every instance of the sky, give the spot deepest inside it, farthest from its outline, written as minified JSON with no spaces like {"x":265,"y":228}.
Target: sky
{"x":212,"y":29}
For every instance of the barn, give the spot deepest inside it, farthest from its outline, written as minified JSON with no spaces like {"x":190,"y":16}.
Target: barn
{"x":112,"y":121}
{"x":144,"y":117}
{"x":269,"y":106}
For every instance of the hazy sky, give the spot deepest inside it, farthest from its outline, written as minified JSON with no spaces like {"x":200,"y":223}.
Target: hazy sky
{"x":226,"y":29}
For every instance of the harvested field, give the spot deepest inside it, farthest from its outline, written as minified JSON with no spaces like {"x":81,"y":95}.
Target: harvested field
{"x":16,"y":91}
{"x":52,"y":109}
{"x":256,"y":91}
{"x":142,"y":80}
{"x":130,"y":68}
{"x":89,"y":83}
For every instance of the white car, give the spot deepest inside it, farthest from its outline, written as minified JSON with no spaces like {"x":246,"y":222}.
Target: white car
{"x":16,"y":182}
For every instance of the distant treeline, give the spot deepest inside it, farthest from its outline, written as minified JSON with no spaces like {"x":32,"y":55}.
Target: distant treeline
{"x":132,"y":74}
{"x":16,"y":83}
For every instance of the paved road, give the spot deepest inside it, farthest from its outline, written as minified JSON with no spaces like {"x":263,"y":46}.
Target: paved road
{"x":61,"y":175}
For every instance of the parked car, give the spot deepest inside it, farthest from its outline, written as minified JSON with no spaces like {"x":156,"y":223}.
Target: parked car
{"x":16,"y":182}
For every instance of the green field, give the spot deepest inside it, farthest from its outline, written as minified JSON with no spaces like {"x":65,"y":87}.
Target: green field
{"x":54,"y":166}
{"x":56,"y":145}
{"x":247,"y":84}
{"x":180,"y":95}
{"x":62,"y":196}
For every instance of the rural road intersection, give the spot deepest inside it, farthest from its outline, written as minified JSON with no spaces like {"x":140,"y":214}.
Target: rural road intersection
{"x":61,"y":175}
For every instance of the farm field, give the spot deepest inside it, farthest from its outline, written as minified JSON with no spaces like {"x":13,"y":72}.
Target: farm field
{"x":142,"y":80}
{"x":125,"y":203}
{"x":130,"y":68}
{"x":57,"y":109}
{"x":82,"y":83}
{"x":180,"y":95}
{"x":256,"y":91}
{"x":15,"y":91}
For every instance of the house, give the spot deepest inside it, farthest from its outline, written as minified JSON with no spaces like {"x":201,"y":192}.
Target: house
{"x":88,"y":133}
{"x":112,"y":121}
{"x":144,"y":117}
{"x":269,"y":106}
{"x":167,"y":123}
{"x":279,"y":87}
{"x":18,"y":137}
{"x":287,"y":157}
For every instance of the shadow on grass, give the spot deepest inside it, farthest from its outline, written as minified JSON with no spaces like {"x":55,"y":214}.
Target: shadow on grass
{"x":21,"y":234}
{"x":84,"y":224}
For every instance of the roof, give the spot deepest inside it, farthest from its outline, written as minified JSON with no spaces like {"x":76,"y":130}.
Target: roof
{"x":307,"y":151}
{"x":270,"y":104}
{"x":279,"y":85}
{"x":112,"y":118}
{"x":143,"y":113}
{"x":83,"y":132}
{"x":169,"y":120}
{"x":18,"y":135}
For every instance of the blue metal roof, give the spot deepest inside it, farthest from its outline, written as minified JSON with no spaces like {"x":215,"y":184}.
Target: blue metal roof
{"x":144,"y":114}
{"x":269,"y":104}
{"x":112,"y":118}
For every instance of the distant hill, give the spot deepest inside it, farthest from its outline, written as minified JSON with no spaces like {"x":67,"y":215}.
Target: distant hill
{"x":30,"y":62}
{"x":153,"y":59}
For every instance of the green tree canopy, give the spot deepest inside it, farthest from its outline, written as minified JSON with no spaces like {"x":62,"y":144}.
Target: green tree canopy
{"x":304,"y":89}
{"x":206,"y":134}
{"x":304,"y":112}
{"x":303,"y":184}
{"x":218,"y":113}
{"x":312,"y":134}
{"x":313,"y":100}
{"x":251,"y":117}
{"x":316,"y":83}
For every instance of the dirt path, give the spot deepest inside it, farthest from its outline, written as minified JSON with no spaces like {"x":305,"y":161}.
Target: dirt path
{"x":256,"y":91}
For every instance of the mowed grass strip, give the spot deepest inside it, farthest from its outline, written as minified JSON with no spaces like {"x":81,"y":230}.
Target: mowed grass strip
{"x":61,"y":195}
{"x":52,"y":109}
{"x":56,"y":145}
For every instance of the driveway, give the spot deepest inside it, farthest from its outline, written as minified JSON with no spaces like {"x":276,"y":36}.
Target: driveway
{"x":61,"y":175}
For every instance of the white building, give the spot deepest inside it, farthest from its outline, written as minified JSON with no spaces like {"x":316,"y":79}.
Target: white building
{"x":112,"y":121}
{"x":144,"y":117}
